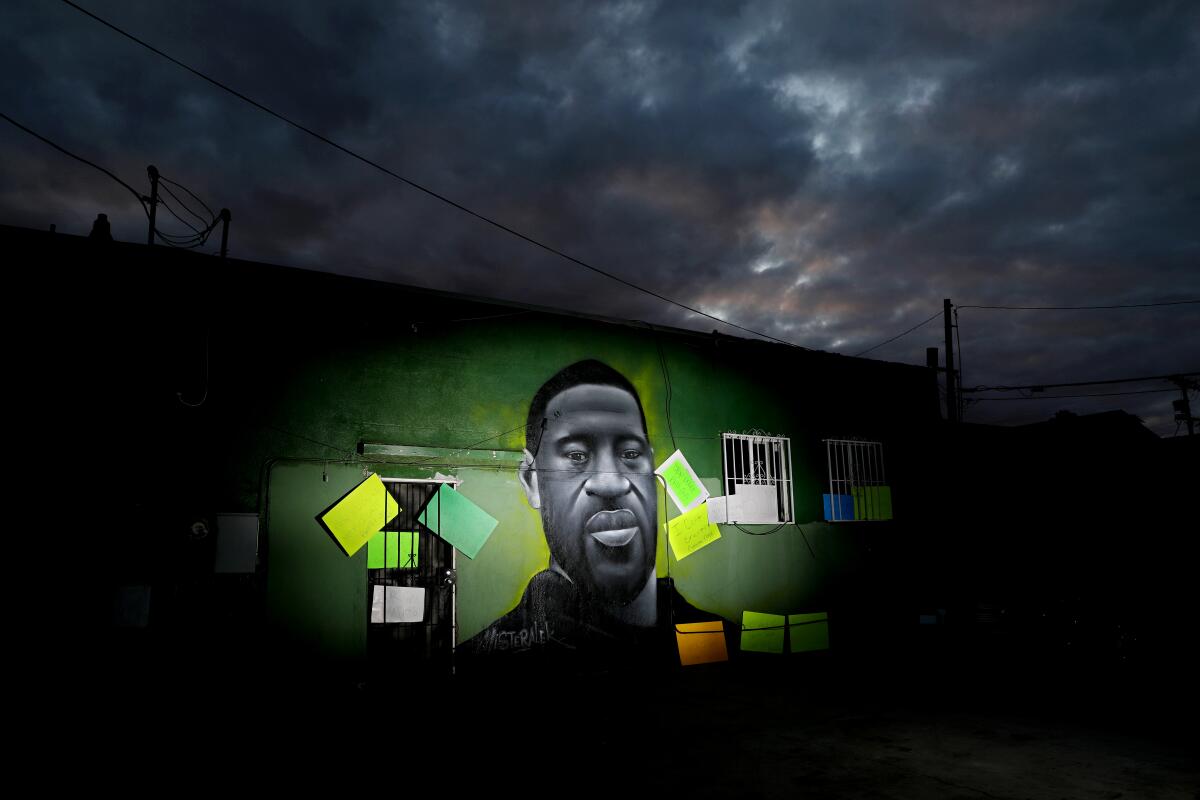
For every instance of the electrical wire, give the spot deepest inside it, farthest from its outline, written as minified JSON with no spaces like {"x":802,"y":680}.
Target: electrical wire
{"x":1084,"y":308}
{"x":1170,"y":377}
{"x":184,"y":206}
{"x":667,"y":384}
{"x":776,"y":529}
{"x":354,"y":457}
{"x":413,"y":184}
{"x":171,"y":240}
{"x":662,"y":359}
{"x":190,"y":193}
{"x":473,"y":446}
{"x":898,"y":335}
{"x":195,"y":231}
{"x":141,"y":199}
{"x":811,"y":552}
{"x":185,"y":241}
{"x":1072,"y":396}
{"x":182,"y":241}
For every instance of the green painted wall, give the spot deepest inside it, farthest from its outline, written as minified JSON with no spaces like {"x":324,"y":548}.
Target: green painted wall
{"x":317,"y":601}
{"x":305,"y":366}
{"x":462,"y":384}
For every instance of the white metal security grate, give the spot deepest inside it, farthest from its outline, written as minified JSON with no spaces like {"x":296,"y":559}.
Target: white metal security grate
{"x":757,"y":460}
{"x":854,"y":467}
{"x":428,"y":644}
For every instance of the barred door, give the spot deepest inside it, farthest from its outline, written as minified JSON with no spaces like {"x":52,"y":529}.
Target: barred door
{"x":408,"y":556}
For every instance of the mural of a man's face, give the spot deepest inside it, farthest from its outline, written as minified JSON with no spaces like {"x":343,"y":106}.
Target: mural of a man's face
{"x":593,"y":480}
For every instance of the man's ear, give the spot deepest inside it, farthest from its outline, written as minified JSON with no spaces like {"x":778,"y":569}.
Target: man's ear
{"x":527,"y":474}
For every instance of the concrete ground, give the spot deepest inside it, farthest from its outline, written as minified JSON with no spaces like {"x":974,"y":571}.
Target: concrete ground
{"x":789,"y":728}
{"x":759,"y":740}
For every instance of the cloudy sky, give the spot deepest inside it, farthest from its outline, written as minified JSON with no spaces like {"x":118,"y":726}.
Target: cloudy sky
{"x":822,"y":172}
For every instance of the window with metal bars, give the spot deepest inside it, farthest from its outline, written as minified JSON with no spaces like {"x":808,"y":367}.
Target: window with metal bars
{"x":858,"y":488}
{"x":757,"y":475}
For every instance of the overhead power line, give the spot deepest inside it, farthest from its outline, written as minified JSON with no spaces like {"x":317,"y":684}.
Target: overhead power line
{"x":1070,"y":396}
{"x":436,"y":195}
{"x":898,"y":335}
{"x":1140,"y":305}
{"x":1086,"y":308}
{"x":1170,"y":377}
{"x":141,"y":200}
{"x":180,"y":240}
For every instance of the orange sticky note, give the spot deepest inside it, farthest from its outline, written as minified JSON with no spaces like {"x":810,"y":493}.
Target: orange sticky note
{"x":701,"y":642}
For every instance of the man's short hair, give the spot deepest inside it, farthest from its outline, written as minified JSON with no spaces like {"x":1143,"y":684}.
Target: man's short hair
{"x":588,"y":372}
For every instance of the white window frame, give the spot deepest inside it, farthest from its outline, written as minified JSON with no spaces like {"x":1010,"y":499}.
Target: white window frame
{"x":852,"y":463}
{"x":757,"y":458}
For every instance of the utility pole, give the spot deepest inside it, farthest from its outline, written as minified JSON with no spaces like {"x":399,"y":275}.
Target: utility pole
{"x":931,"y":362}
{"x":951,"y":388}
{"x":152,"y":171}
{"x":225,"y":217}
{"x":1183,"y":408}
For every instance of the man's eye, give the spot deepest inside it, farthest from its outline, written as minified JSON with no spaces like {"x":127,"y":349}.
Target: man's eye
{"x":577,"y":456}
{"x":631,"y":455}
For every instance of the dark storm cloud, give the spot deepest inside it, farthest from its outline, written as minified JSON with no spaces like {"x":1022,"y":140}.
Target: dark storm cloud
{"x":821,"y":171}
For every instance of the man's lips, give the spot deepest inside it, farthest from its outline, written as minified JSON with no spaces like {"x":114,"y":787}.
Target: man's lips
{"x":612,"y":528}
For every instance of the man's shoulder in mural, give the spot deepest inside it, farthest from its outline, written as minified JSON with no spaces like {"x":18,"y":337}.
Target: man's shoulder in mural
{"x":551,"y":619}
{"x":546,"y":617}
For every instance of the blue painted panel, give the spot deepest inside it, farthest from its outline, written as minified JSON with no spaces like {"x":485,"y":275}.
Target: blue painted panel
{"x":842,"y":504}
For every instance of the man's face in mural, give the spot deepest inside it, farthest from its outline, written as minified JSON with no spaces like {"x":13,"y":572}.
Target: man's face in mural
{"x":593,"y":480}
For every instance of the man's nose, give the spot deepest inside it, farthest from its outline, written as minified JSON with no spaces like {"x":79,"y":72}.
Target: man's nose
{"x":607,"y":481}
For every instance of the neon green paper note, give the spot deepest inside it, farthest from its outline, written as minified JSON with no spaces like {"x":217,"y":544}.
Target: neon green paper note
{"x":408,"y":550}
{"x":762,"y":633}
{"x":392,"y":549}
{"x":808,"y":632}
{"x":683,"y":486}
{"x":382,"y":551}
{"x":872,"y":502}
{"x":359,"y":515}
{"x":680,"y":481}
{"x":457,"y":520}
{"x":691,"y":531}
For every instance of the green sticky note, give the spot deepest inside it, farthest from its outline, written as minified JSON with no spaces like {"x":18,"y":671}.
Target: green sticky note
{"x":392,"y":549}
{"x":683,"y":487}
{"x":762,"y":633}
{"x":872,"y":502}
{"x":407,"y":549}
{"x":680,"y":481}
{"x":883,"y":501}
{"x":691,"y":531}
{"x":382,"y":552}
{"x":808,"y":631}
{"x":457,"y":520}
{"x":358,"y":516}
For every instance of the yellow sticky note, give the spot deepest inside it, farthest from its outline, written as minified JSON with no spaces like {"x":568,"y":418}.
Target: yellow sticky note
{"x":691,"y":531}
{"x":701,"y":642}
{"x":358,"y":516}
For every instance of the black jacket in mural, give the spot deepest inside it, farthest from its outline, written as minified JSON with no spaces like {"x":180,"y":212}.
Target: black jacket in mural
{"x":553,"y":619}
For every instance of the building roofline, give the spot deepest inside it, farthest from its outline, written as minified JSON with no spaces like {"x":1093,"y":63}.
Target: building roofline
{"x":232,"y":263}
